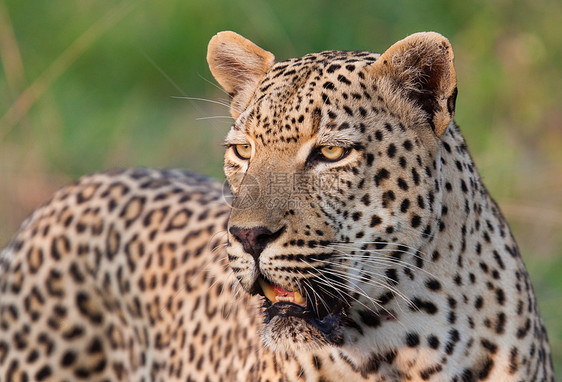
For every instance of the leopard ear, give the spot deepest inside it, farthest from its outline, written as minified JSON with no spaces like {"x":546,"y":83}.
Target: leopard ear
{"x":421,"y":66}
{"x":238,"y":65}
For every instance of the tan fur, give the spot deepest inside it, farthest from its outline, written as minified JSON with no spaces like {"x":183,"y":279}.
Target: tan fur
{"x":238,"y":65}
{"x":419,"y":60}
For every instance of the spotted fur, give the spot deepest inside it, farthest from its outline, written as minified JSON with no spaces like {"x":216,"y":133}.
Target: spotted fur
{"x":408,"y":268}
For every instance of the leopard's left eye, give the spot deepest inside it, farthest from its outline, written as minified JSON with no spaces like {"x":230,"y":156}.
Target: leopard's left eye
{"x":333,"y":153}
{"x":243,"y":151}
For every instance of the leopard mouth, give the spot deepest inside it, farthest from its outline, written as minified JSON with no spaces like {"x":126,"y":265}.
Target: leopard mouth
{"x":324,"y":315}
{"x":276,"y":294}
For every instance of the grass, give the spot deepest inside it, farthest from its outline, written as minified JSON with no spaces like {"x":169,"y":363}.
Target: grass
{"x":91,"y":85}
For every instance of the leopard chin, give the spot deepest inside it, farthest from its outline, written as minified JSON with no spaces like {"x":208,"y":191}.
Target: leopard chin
{"x":292,"y":321}
{"x":294,"y":334}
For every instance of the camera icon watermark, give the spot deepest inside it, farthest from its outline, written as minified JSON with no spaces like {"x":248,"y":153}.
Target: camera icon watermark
{"x":277,"y":189}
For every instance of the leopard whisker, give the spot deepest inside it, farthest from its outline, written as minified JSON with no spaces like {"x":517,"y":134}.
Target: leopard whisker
{"x":330,"y":283}
{"x":377,"y":260}
{"x":317,"y":296}
{"x":225,"y":104}
{"x":212,"y":83}
{"x":374,"y":283}
{"x":340,"y":284}
{"x":373,"y":242}
{"x":225,"y":312}
{"x":360,"y":291}
{"x":384,"y":261}
{"x":214,"y":117}
{"x":353,"y":245}
{"x":314,"y":276}
{"x":238,"y":289}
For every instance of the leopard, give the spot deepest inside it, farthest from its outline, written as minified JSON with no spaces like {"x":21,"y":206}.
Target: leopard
{"x":354,"y":241}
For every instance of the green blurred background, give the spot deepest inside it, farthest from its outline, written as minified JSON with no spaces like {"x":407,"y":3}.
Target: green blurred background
{"x":89,"y":85}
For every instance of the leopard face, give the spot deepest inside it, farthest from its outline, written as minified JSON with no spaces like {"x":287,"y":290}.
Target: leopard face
{"x":335,"y":171}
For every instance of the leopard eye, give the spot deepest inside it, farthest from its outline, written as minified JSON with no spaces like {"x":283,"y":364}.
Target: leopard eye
{"x":333,"y":153}
{"x":243,"y":151}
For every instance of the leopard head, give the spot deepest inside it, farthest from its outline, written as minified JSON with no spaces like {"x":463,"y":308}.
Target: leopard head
{"x":333,"y":162}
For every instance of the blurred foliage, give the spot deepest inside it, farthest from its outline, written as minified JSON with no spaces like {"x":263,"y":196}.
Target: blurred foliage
{"x":112,"y":102}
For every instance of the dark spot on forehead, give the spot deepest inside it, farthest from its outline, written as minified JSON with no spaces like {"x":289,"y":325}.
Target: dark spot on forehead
{"x":316,"y":119}
{"x":332,"y":68}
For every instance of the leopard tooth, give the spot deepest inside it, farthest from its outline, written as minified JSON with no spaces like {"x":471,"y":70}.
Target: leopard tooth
{"x":299,"y":299}
{"x":267,"y":290}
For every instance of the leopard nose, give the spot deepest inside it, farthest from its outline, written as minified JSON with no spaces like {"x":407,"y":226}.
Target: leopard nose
{"x":254,"y":240}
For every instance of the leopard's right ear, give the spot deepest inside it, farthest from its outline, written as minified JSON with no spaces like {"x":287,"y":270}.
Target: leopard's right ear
{"x":238,"y":65}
